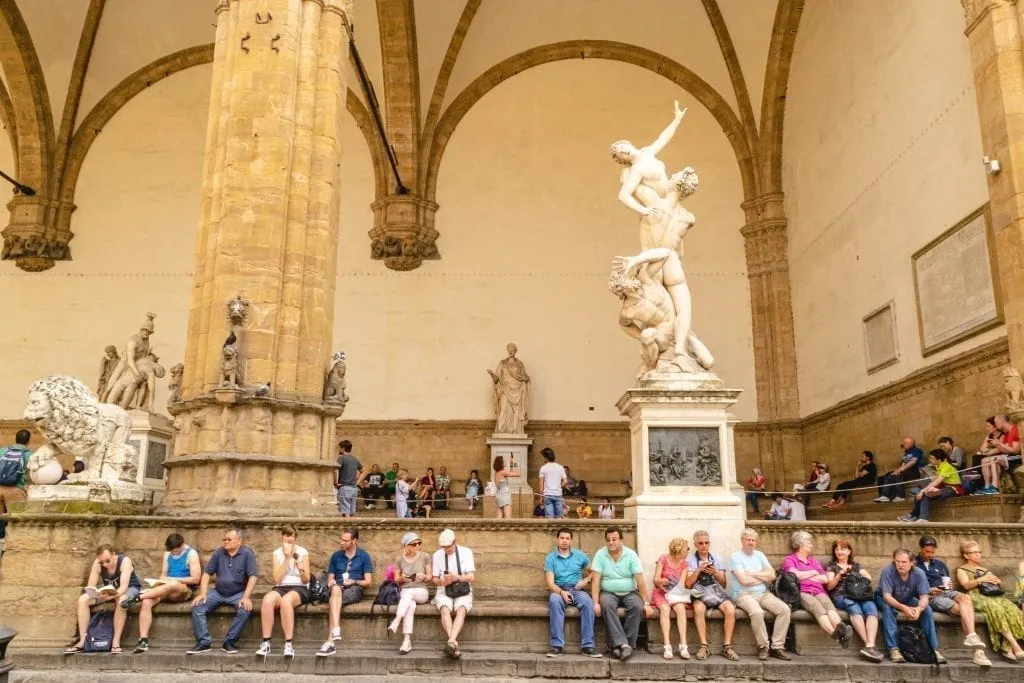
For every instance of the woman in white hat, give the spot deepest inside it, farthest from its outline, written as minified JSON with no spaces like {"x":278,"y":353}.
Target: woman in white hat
{"x":413,"y":572}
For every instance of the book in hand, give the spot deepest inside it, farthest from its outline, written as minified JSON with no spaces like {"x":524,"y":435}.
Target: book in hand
{"x":153,"y":583}
{"x":103,"y":592}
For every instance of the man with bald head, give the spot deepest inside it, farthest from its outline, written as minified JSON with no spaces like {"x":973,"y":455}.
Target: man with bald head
{"x":909,"y":469}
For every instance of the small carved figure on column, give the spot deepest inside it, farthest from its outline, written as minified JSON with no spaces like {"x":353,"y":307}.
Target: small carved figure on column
{"x":334,"y":386}
{"x":511,"y":394}
{"x":238,"y":311}
{"x":229,"y":366}
{"x":1014,"y":386}
{"x":127,"y":371}
{"x":107,"y":365}
{"x":174,"y":384}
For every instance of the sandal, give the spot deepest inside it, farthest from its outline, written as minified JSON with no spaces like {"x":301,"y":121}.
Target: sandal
{"x":450,"y":649}
{"x":74,"y":650}
{"x":115,"y":650}
{"x":730,"y":653}
{"x":703,"y":652}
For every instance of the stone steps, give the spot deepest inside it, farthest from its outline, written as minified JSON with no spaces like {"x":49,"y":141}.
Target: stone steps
{"x":428,"y":664}
{"x":995,"y":508}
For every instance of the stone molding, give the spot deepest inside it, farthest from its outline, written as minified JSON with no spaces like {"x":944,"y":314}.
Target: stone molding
{"x":240,"y":398}
{"x":933,"y":528}
{"x":976,"y":10}
{"x":249,"y":459}
{"x":986,"y":357}
{"x":404,"y":426}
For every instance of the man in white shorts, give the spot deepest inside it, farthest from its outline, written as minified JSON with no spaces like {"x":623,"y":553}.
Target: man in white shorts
{"x":453,"y":571}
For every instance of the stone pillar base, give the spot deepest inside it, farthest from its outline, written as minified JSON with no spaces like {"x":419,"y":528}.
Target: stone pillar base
{"x":97,"y":497}
{"x":513,"y":448}
{"x":684,"y":466}
{"x":153,"y":437}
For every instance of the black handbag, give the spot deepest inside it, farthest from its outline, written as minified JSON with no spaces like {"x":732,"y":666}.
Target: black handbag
{"x":986,"y":588}
{"x":456,"y":589}
{"x":858,"y":588}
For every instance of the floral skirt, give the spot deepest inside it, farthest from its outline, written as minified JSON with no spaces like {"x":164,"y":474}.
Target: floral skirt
{"x":1001,"y":615}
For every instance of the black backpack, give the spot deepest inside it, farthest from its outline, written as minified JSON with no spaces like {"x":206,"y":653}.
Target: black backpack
{"x":99,"y":637}
{"x":388,"y":594}
{"x":787,"y":589}
{"x":12,"y":466}
{"x":856,"y":587}
{"x":914,"y":646}
{"x":319,"y":593}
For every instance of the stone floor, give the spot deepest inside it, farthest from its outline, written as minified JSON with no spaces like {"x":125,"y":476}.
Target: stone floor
{"x":428,"y":664}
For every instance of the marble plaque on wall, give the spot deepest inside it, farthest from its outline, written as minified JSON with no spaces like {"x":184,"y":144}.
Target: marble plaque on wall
{"x":880,"y":347}
{"x":955,"y":284}
{"x":684,"y":456}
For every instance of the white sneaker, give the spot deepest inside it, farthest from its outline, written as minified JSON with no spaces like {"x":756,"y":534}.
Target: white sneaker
{"x":974,"y":642}
{"x":668,"y":652}
{"x":289,"y":650}
{"x":264,"y":649}
{"x":406,"y":646}
{"x":336,"y":633}
{"x":684,"y":652}
{"x":980,"y":659}
{"x":882,"y":499}
{"x":898,"y":499}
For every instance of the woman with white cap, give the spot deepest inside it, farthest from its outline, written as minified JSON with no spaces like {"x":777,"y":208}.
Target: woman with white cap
{"x":412,"y":575}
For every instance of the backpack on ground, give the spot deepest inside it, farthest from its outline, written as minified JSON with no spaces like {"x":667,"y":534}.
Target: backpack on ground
{"x":99,"y":637}
{"x":914,"y":645}
{"x":319,"y":593}
{"x":388,"y":594}
{"x":787,"y":589}
{"x":12,"y":466}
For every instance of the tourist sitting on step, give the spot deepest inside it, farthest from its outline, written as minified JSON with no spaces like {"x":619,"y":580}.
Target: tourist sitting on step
{"x":779,"y":509}
{"x":403,"y":493}
{"x":945,"y":600}
{"x":291,"y":580}
{"x":412,"y":574}
{"x":957,"y":458}
{"x":1005,"y":622}
{"x":569,"y":487}
{"x":670,"y":595}
{"x":234,"y":565}
{"x":391,"y":484}
{"x":349,"y":574}
{"x":563,"y":577}
{"x":706,"y":576}
{"x":454,"y":574}
{"x":1020,"y":585}
{"x":866,"y":475}
{"x":903,"y":590}
{"x":444,"y":489}
{"x":813,"y":596}
{"x":179,"y":576}
{"x":473,"y":489}
{"x":822,"y":482}
{"x":797,"y":510}
{"x":606,"y":510}
{"x":909,"y":469}
{"x":755,"y":489}
{"x":373,"y":488}
{"x":1007,"y":456}
{"x":426,"y":492}
{"x":753,"y":575}
{"x":617,"y":580}
{"x":812,"y":478}
{"x":849,"y":586}
{"x":583,"y":510}
{"x":945,"y":484}
{"x":112,"y":578}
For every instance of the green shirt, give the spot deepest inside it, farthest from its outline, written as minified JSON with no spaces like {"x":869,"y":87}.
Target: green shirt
{"x":389,"y":479}
{"x":617,"y":577}
{"x":950,"y":477}
{"x":24,"y":462}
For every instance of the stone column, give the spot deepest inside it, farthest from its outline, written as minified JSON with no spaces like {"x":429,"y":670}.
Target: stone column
{"x":268,"y":233}
{"x":771,"y":307}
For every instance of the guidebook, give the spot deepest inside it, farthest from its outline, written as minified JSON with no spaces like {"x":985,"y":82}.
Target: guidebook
{"x":107,"y":591}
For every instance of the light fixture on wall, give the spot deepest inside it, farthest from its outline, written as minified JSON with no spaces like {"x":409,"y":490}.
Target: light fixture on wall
{"x":23,"y":189}
{"x":992,"y":166}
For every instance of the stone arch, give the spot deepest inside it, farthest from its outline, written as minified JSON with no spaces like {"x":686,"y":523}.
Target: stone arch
{"x":593,"y":49}
{"x":776,"y":81}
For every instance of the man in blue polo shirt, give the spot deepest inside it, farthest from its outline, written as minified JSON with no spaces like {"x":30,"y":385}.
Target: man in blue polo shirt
{"x":235,"y":568}
{"x":563,"y":574}
{"x":903,"y":589}
{"x":617,"y":580}
{"x":349,"y":573}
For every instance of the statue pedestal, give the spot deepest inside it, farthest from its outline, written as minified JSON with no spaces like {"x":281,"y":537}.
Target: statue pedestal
{"x":96,"y":497}
{"x":683,"y":463}
{"x":513,"y":448}
{"x":153,"y":438}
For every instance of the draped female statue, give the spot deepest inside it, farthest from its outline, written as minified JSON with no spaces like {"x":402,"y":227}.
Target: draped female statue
{"x":511,"y":394}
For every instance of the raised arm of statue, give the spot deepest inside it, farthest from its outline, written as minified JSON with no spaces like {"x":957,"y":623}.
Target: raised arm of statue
{"x":670,"y":130}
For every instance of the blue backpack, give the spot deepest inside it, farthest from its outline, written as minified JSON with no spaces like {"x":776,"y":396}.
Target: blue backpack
{"x":99,"y":637}
{"x":12,"y":465}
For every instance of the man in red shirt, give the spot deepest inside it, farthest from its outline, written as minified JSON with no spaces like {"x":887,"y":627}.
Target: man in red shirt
{"x":1008,"y":445}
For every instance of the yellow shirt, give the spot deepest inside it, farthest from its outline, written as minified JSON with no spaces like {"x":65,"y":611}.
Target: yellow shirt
{"x":950,"y":477}
{"x":584,"y":512}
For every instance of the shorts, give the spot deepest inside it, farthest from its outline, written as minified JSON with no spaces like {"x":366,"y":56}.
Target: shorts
{"x":132,"y":592}
{"x":180,"y":596}
{"x":350,"y":595}
{"x":442,"y":600}
{"x":817,"y":605}
{"x":303,"y":592}
{"x":944,"y":601}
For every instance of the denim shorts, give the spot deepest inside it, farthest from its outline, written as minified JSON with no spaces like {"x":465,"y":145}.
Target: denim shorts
{"x":861,"y":608}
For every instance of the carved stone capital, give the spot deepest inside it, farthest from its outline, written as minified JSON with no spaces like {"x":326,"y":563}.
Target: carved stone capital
{"x":403,"y":234}
{"x":30,"y":240}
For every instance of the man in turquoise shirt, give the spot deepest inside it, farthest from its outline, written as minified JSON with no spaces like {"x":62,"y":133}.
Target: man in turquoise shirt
{"x":617,"y":580}
{"x":563,"y":574}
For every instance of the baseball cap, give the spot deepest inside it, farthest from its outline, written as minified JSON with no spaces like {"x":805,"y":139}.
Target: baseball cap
{"x":446,"y":538}
{"x":409,"y":537}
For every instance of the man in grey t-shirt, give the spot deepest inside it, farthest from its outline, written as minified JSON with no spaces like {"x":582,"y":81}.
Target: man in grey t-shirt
{"x":347,"y":479}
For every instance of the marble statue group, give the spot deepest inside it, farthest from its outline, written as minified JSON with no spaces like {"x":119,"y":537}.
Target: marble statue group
{"x":656,"y":306}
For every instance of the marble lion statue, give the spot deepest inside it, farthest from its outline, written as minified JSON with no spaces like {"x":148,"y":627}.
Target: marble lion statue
{"x":74,"y":422}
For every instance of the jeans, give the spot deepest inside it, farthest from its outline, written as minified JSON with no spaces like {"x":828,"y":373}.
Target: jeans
{"x":556,"y":617}
{"x":407,"y":601}
{"x":618,"y":633}
{"x":752,"y":498}
{"x":923,"y":507}
{"x":891,"y":629}
{"x":213,"y":601}
{"x":347,"y":496}
{"x":891,"y":485}
{"x":553,"y":507}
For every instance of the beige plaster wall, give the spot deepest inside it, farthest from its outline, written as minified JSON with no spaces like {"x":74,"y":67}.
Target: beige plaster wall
{"x":528,"y":222}
{"x":882,"y":154}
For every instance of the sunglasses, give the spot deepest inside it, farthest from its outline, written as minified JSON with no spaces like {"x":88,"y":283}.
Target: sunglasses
{"x":415,"y":543}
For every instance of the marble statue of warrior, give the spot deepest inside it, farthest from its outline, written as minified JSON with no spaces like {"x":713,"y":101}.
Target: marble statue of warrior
{"x":647,"y":189}
{"x":107,"y":365}
{"x":137,"y":391}
{"x":511,"y":394}
{"x":128,"y":371}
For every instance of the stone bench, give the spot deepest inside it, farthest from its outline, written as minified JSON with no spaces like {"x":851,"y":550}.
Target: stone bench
{"x":491,"y":623}
{"x":995,"y":508}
